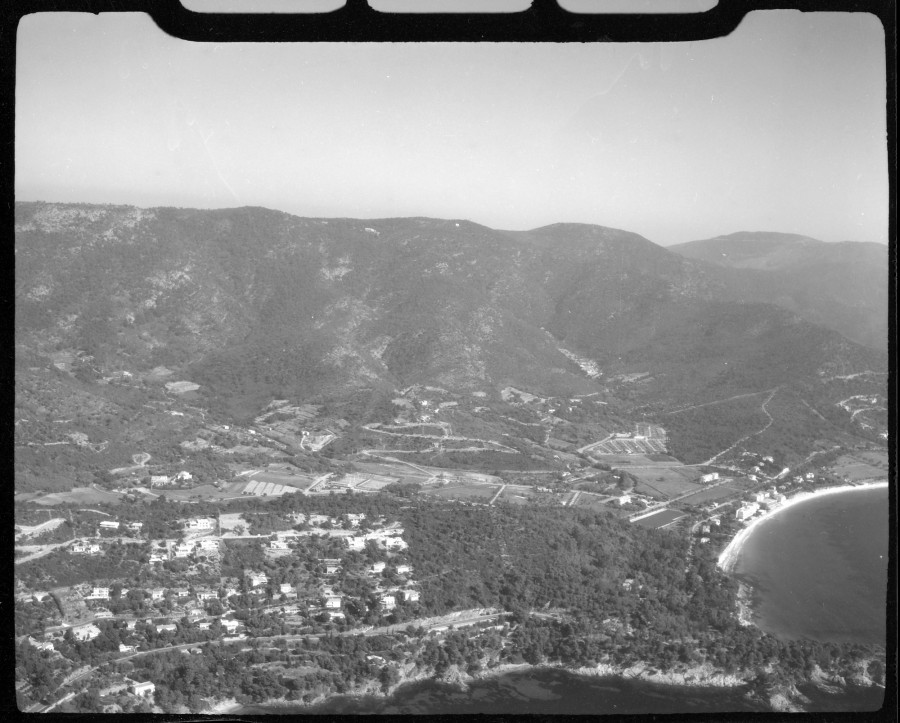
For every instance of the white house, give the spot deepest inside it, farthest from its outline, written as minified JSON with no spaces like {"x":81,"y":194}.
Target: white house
{"x":278,"y":545}
{"x":230,"y":625}
{"x":333,"y":602}
{"x":388,"y":602}
{"x":171,"y":627}
{"x":126,"y":648}
{"x":377,"y":567}
{"x":109,"y":525}
{"x":86,"y":632}
{"x":207,"y":595}
{"x":39,"y":596}
{"x":157,"y":558}
{"x":200,"y":523}
{"x":711,"y":477}
{"x":98,"y":593}
{"x":258,"y":579}
{"x":404,"y":569}
{"x":208,"y":543}
{"x":332,"y":568}
{"x":285,"y":588}
{"x":159,"y":480}
{"x":135,"y":526}
{"x":316,"y":520}
{"x":157,"y":593}
{"x":184,"y":550}
{"x":747,"y":510}
{"x":358,"y":544}
{"x":183,"y":476}
{"x":411,"y":595}
{"x":204,"y":625}
{"x":46,"y":645}
{"x":143,"y":689}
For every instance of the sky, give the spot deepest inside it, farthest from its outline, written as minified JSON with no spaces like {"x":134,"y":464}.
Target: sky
{"x":780,"y":126}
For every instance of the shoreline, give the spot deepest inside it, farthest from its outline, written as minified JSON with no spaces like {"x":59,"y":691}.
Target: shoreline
{"x":729,"y":556}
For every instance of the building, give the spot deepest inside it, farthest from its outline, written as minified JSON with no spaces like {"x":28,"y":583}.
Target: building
{"x":86,"y":632}
{"x":332,"y":568}
{"x":316,"y":520}
{"x":183,"y":476}
{"x":707,"y":478}
{"x":377,"y":567}
{"x":204,"y":625}
{"x":747,"y":511}
{"x":285,"y":588}
{"x":623,"y":499}
{"x":333,"y":602}
{"x":257,"y":579}
{"x":410,"y":595}
{"x":183,"y":550}
{"x":102,"y":613}
{"x":182,"y":592}
{"x":135,"y":526}
{"x":156,"y":557}
{"x":130,"y":624}
{"x":230,"y":625}
{"x":278,"y":545}
{"x":98,"y":593}
{"x":209,"y":544}
{"x":109,"y":525}
{"x":46,"y":645}
{"x":200,"y":523}
{"x":704,"y":540}
{"x":171,"y":627}
{"x":126,"y":648}
{"x":207,"y":595}
{"x":39,"y":596}
{"x":388,"y":602}
{"x":159,"y":480}
{"x":404,"y":569}
{"x":357,"y":544}
{"x":157,"y":593}
{"x":145,"y":690}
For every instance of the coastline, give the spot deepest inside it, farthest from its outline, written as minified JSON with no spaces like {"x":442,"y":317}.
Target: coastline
{"x":729,"y":556}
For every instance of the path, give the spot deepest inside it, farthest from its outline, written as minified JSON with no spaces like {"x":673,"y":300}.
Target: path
{"x":753,"y":434}
{"x":718,"y":401}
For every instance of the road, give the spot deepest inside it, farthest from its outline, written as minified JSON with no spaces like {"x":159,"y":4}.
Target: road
{"x":26,"y":531}
{"x":748,"y":436}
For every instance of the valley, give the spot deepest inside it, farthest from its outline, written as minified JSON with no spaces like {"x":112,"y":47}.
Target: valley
{"x":325,"y":446}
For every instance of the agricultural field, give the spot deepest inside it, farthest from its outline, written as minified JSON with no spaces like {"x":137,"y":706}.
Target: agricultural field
{"x":520,"y":495}
{"x":729,"y":489}
{"x":80,"y":496}
{"x":465,"y":493}
{"x":624,"y":461}
{"x":666,"y":482}
{"x":660,"y":519}
{"x":859,"y":467}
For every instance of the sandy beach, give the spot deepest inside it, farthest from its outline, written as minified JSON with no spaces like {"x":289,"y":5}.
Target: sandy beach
{"x":730,"y":554}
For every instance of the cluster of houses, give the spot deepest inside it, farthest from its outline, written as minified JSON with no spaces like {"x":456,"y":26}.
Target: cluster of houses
{"x":762,"y":503}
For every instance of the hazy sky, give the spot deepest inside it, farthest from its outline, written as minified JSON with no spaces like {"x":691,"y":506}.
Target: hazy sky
{"x":780,"y":126}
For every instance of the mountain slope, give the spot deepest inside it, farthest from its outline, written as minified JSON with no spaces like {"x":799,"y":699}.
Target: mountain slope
{"x":842,"y":286}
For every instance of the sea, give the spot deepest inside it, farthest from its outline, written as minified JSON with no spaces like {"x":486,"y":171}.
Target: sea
{"x":818,"y":569}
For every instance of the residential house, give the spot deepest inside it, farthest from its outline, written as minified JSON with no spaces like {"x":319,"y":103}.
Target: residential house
{"x":46,"y":645}
{"x":183,"y":476}
{"x":183,"y":550}
{"x":195,"y":613}
{"x":159,"y":480}
{"x":318,"y":520}
{"x":278,"y":545}
{"x":388,"y":602}
{"x":200,"y":523}
{"x":285,"y":588}
{"x":157,"y":594}
{"x":208,"y":543}
{"x":257,"y":579}
{"x":102,"y":613}
{"x":377,"y":567}
{"x":333,"y":602}
{"x":707,"y":478}
{"x":747,"y":511}
{"x":86,"y":632}
{"x":79,"y":547}
{"x":357,"y":544}
{"x":39,"y":596}
{"x":145,"y":690}
{"x":204,"y":625}
{"x":207,"y":595}
{"x":135,"y":526}
{"x":98,"y":593}
{"x":182,"y":592}
{"x":704,"y":540}
{"x":130,"y":624}
{"x":623,"y":499}
{"x":290,"y":609}
{"x":126,"y":648}
{"x":157,"y":558}
{"x":109,"y":525}
{"x":230,"y":625}
{"x":332,"y":568}
{"x":171,"y":627}
{"x":410,"y":595}
{"x":404,"y":569}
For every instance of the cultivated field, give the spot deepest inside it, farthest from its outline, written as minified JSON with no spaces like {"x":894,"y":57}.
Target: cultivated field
{"x":666,"y":482}
{"x":625,"y":461}
{"x":660,"y":519}
{"x":858,"y":467}
{"x":715,"y":493}
{"x":466,"y":493}
{"x":80,"y":496}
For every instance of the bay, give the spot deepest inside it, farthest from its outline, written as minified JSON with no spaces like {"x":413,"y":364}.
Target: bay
{"x":819,"y":569}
